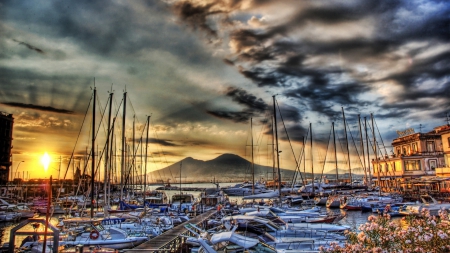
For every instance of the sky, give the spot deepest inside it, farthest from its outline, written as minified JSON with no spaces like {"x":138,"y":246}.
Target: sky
{"x":206,"y":73}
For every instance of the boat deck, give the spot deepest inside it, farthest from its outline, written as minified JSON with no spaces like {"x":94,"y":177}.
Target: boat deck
{"x":161,"y":242}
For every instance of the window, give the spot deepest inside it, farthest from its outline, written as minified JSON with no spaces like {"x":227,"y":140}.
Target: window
{"x":432,"y":164}
{"x":414,"y":147}
{"x":398,"y":151}
{"x":412,"y":165}
{"x":404,"y":150}
{"x":430,"y":146}
{"x":448,"y":140}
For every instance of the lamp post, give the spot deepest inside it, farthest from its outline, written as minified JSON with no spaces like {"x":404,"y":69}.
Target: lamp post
{"x":17,"y":168}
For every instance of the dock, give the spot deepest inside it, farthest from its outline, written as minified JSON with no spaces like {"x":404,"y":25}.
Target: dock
{"x":171,"y":241}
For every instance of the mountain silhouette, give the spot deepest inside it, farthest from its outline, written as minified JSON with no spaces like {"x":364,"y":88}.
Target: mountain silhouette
{"x":224,"y":168}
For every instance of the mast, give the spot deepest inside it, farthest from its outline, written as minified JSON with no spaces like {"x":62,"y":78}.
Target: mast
{"x":368,"y":154}
{"x":362,"y":148}
{"x":376,"y":155}
{"x":273,"y":154}
{"x":133,"y":159}
{"x":276,"y":147}
{"x":93,"y":153}
{"x":111,"y":159}
{"x":348,"y":149}
{"x":145,"y":165}
{"x":106,"y":175}
{"x":335,"y":153}
{"x":253,"y":163}
{"x":312,"y":165}
{"x":181,"y":164}
{"x":122,"y":167}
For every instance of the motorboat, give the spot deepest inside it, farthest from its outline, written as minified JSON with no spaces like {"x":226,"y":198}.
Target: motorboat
{"x":246,"y":189}
{"x":429,"y":204}
{"x":183,"y":202}
{"x":135,"y":226}
{"x":303,"y":217}
{"x":91,"y":232}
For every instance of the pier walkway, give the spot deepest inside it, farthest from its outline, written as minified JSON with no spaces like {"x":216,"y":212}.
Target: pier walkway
{"x":170,"y":241}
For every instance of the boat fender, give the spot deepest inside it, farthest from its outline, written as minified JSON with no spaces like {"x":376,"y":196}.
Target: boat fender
{"x":94,"y":235}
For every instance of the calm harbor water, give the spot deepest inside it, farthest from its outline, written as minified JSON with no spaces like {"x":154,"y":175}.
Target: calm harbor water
{"x":352,"y":219}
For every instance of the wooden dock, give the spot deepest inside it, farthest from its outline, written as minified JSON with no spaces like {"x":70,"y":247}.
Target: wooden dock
{"x":170,"y":241}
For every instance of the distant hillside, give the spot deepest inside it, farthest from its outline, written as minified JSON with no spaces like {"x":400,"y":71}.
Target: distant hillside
{"x":224,"y":168}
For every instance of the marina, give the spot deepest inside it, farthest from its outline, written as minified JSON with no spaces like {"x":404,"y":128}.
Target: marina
{"x":171,"y":240}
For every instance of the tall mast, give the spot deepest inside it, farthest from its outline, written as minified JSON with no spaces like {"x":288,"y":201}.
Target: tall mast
{"x":133,"y":158}
{"x":253,"y":162}
{"x":312,"y":165}
{"x":335,"y":153}
{"x":348,"y":149}
{"x":93,"y":153}
{"x":362,"y":148}
{"x":376,"y":155}
{"x":111,"y":159}
{"x":273,"y":154}
{"x":145,"y":165}
{"x":368,"y":154}
{"x":304,"y":160}
{"x":106,"y":174}
{"x":276,"y":147}
{"x":122,"y":167}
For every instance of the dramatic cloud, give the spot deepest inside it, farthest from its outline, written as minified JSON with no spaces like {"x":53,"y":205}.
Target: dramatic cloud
{"x":38,"y":107}
{"x":29,"y":46}
{"x":336,"y":54}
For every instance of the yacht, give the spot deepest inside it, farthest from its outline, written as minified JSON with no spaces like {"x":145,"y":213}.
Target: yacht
{"x":91,"y":232}
{"x":246,"y":189}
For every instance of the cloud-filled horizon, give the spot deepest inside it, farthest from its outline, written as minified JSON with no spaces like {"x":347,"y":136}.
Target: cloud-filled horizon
{"x":203,"y":70}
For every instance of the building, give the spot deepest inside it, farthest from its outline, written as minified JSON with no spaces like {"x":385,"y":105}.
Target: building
{"x":6,"y":131}
{"x":414,"y":155}
{"x":444,"y":169}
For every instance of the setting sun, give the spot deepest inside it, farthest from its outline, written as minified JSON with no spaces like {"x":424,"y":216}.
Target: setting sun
{"x":45,"y":160}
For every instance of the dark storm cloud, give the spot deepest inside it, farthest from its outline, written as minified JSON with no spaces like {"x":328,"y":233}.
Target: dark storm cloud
{"x":38,"y":107}
{"x":167,"y":143}
{"x":29,"y":46}
{"x":271,"y":56}
{"x":242,"y":97}
{"x":252,"y":106}
{"x":239,"y":117}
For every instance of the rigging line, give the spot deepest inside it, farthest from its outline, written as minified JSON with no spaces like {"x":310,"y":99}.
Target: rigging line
{"x":290,"y":144}
{"x":354,"y":144}
{"x":134,"y":157}
{"x":89,"y":155}
{"x":381,"y":138}
{"x":132,"y":107}
{"x":102,"y":112}
{"x":325,"y":158}
{"x":301,"y":155}
{"x":377,"y":163}
{"x":78,"y":137}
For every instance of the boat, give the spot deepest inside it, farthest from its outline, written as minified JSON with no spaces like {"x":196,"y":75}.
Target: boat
{"x":183,"y":202}
{"x":295,"y":218}
{"x":91,"y":232}
{"x":429,"y":204}
{"x":246,"y":189}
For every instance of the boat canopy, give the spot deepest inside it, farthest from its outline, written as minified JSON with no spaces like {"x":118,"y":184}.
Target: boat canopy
{"x":237,"y":239}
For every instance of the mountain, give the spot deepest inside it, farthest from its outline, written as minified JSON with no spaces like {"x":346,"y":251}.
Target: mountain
{"x":224,"y":168}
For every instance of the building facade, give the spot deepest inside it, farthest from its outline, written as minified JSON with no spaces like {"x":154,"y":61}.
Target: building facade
{"x":6,"y":131}
{"x":414,"y":155}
